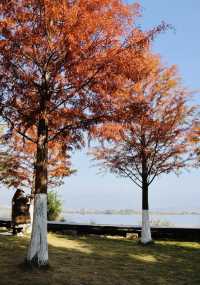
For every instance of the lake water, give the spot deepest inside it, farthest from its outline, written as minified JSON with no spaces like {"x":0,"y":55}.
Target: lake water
{"x":160,"y":220}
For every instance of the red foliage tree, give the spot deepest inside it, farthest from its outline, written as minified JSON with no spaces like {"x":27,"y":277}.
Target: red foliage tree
{"x":154,"y":142}
{"x":61,"y":63}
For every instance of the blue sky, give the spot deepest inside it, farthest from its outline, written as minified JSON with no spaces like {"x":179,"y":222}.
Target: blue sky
{"x":86,"y":189}
{"x":181,"y":47}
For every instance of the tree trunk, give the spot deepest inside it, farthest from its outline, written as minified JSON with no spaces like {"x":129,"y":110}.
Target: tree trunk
{"x":146,"y":230}
{"x":38,"y":247}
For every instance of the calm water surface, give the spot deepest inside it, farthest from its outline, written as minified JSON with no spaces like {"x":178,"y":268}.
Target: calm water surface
{"x":168,"y":220}
{"x":160,"y":220}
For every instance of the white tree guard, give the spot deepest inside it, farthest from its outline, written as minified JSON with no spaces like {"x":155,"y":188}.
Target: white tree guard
{"x":146,"y":230}
{"x":38,"y":247}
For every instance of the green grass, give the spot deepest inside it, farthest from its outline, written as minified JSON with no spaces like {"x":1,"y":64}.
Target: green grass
{"x":102,"y":261}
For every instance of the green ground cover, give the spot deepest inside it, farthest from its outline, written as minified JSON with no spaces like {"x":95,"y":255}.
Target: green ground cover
{"x":102,"y":261}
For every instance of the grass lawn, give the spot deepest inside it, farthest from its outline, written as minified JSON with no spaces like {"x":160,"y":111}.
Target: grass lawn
{"x":102,"y":261}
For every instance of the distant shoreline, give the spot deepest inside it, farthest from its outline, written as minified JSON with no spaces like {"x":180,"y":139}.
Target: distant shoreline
{"x":128,"y":212}
{"x":115,"y":212}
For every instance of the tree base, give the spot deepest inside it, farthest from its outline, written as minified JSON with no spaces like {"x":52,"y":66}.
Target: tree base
{"x":151,"y":242}
{"x":37,"y":255}
{"x":34,"y":264}
{"x":146,"y":229}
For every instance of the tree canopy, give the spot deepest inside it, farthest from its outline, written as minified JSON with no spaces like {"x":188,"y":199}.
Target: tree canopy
{"x":156,"y":140}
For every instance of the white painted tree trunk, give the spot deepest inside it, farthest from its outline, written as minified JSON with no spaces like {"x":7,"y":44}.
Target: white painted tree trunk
{"x":38,"y":247}
{"x":146,"y":230}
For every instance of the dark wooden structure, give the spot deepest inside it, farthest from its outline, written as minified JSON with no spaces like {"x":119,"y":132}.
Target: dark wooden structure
{"x":20,"y":208}
{"x":185,"y":234}
{"x":157,"y":232}
{"x":178,"y":233}
{"x":5,"y":223}
{"x":20,"y":211}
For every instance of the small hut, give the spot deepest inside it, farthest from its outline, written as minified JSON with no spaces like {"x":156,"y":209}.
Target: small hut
{"x":20,"y":211}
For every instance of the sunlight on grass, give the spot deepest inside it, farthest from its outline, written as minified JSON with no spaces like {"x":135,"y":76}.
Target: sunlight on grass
{"x":91,"y":260}
{"x":66,"y":243}
{"x":193,"y":245}
{"x":144,"y":258}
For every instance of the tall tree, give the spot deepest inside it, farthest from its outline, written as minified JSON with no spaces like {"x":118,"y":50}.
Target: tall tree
{"x":154,"y":142}
{"x":61,"y":63}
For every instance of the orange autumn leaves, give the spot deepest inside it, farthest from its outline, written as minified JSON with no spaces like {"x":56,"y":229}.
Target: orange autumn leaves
{"x":156,"y":140}
{"x":66,"y":62}
{"x":72,"y":52}
{"x":79,"y":64}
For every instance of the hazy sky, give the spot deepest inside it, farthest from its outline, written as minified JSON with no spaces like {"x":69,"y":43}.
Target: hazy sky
{"x":86,"y":189}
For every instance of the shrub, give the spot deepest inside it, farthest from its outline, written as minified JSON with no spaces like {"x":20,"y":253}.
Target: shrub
{"x":54,"y":206}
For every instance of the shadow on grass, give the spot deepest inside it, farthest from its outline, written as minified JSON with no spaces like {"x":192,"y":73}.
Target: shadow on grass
{"x":102,"y":261}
